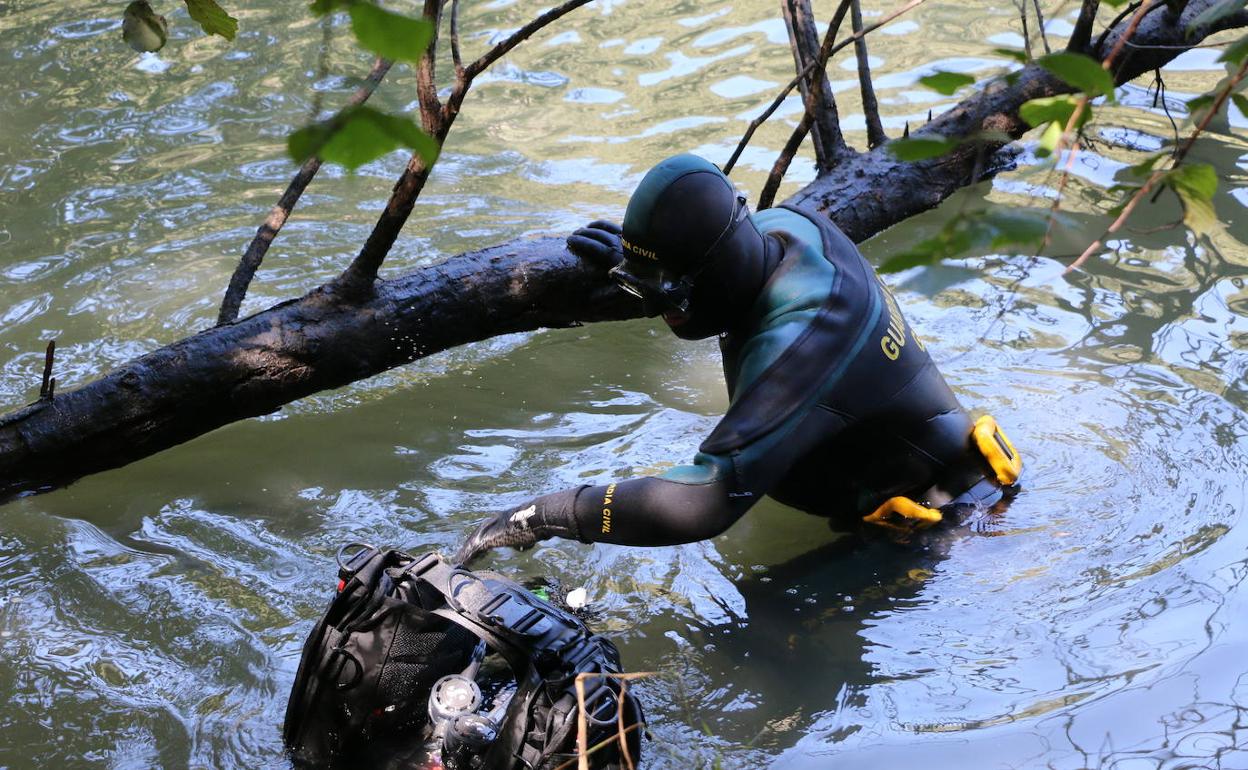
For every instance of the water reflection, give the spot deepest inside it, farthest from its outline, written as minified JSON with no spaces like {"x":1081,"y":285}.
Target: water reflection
{"x":152,"y":616}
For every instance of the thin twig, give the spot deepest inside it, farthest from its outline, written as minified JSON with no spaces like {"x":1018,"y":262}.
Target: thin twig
{"x":1157,"y":174}
{"x":781,"y":166}
{"x":830,"y":35}
{"x":254,"y":255}
{"x":870,"y":107}
{"x":799,"y":133}
{"x":426,"y":72}
{"x":825,"y":54}
{"x":520,"y":35}
{"x":459,"y":64}
{"x":582,"y":721}
{"x":620,"y":726}
{"x":817,"y":95}
{"x":1021,"y":5}
{"x":582,"y":725}
{"x":1124,"y":13}
{"x":361,"y":274}
{"x":1070,"y":134}
{"x":1044,"y":37}
{"x":601,"y":745}
{"x":48,"y":388}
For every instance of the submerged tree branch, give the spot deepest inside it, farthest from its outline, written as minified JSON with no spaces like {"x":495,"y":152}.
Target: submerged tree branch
{"x":327,"y":339}
{"x":240,"y":281}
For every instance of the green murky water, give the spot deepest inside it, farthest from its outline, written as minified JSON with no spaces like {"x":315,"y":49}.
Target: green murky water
{"x":152,"y":616}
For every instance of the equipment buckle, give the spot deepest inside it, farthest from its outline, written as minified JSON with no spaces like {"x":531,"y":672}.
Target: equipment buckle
{"x":918,"y":516}
{"x":996,"y":448}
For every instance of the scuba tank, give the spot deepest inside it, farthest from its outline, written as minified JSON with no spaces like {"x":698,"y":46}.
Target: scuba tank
{"x":394,"y":670}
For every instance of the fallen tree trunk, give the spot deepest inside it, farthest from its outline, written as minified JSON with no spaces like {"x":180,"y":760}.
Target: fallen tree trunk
{"x":327,"y":339}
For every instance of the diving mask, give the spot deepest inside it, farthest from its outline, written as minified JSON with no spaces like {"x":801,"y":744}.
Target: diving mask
{"x":660,"y":288}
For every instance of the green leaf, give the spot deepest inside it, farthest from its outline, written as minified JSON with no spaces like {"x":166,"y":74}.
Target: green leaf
{"x":1198,"y":107}
{"x":1116,"y":3}
{"x":991,"y":229}
{"x":946,"y":82}
{"x":1058,"y":109}
{"x":143,"y":29}
{"x":1135,"y":175}
{"x":1081,"y":72}
{"x":1236,"y":53}
{"x":1013,"y":53}
{"x":1195,"y":184}
{"x":390,"y":35}
{"x":1213,"y":13}
{"x":921,"y":147}
{"x":212,"y":18}
{"x":1241,"y":103}
{"x":1049,"y":139}
{"x":358,"y":135}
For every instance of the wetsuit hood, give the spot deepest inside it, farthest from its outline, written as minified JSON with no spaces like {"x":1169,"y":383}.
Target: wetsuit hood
{"x":688,"y":223}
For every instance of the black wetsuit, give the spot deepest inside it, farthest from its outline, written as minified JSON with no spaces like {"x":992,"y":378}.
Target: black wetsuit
{"x":835,"y":407}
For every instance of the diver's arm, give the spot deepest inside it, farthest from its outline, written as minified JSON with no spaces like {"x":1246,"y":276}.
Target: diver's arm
{"x":689,"y":503}
{"x":686,"y":504}
{"x":642,"y":511}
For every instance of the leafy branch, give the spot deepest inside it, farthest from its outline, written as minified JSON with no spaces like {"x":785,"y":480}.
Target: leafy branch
{"x":146,"y":31}
{"x":1194,"y":184}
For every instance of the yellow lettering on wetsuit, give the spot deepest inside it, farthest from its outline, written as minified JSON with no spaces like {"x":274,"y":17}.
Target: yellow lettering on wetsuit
{"x":606,"y":507}
{"x":648,"y":253}
{"x":892,"y":342}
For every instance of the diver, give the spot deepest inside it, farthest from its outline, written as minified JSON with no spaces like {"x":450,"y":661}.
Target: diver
{"x":836,"y":408}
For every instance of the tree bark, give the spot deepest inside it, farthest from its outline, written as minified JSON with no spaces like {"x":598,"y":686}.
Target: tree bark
{"x":326,"y":340}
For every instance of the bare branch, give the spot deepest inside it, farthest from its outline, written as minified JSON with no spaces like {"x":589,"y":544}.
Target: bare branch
{"x":520,"y":35}
{"x":870,"y":107}
{"x":1021,"y":5}
{"x":781,"y":166}
{"x":828,"y":39}
{"x":816,"y":90}
{"x":426,"y":73}
{"x":47,"y":390}
{"x":254,"y":255}
{"x":459,"y":64}
{"x":799,"y":133}
{"x":1044,"y":37}
{"x":358,"y":279}
{"x":1081,"y":36}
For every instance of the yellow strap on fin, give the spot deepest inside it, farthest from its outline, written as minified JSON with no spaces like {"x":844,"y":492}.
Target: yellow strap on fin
{"x":920,"y":515}
{"x":996,"y":448}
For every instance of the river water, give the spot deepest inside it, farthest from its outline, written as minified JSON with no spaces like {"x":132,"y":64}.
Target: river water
{"x":153,"y":615}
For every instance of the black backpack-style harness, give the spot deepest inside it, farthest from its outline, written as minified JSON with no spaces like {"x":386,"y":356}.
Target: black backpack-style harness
{"x":398,"y":624}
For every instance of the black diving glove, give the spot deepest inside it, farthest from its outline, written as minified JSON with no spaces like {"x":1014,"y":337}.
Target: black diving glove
{"x":552,"y":515}
{"x":599,"y":243}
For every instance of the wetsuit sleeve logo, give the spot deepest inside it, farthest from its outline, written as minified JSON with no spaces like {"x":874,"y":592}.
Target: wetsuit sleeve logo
{"x":607,"y":497}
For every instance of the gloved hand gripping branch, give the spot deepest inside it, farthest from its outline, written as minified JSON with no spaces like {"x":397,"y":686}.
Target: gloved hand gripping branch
{"x":552,"y":515}
{"x":599,"y":243}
